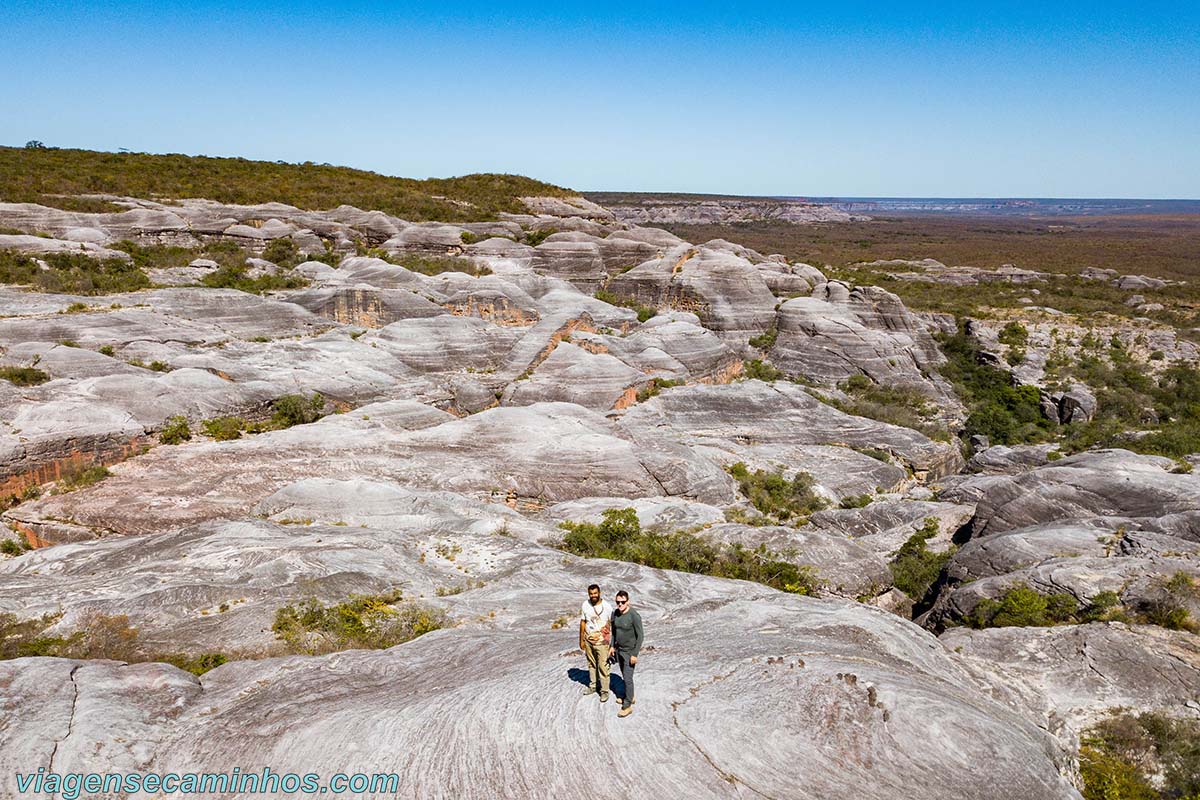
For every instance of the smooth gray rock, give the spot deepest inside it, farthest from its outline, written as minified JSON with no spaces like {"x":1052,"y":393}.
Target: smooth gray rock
{"x":1100,"y":483}
{"x":1005,"y":460}
{"x":885,"y":525}
{"x":513,"y":453}
{"x":761,"y":422}
{"x":1077,"y":405}
{"x":840,"y":565}
{"x":725,"y":291}
{"x":841,"y":679}
{"x":1084,"y":672}
{"x":839,"y":332}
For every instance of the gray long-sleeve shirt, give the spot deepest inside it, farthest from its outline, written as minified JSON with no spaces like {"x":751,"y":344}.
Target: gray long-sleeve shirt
{"x":627,"y":632}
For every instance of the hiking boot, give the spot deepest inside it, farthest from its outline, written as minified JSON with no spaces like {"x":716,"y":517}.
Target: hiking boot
{"x":625,"y":710}
{"x":589,"y":690}
{"x":604,"y":697}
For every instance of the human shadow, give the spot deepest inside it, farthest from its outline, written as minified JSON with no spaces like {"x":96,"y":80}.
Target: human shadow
{"x":615,"y":683}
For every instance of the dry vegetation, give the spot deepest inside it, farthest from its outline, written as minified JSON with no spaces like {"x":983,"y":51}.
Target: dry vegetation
{"x":44,"y":175}
{"x":1162,"y":246}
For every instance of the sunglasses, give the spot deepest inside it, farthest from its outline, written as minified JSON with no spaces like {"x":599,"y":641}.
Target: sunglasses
{"x":622,"y":602}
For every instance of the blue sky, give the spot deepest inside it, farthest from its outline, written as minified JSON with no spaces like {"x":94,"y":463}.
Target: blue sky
{"x":853,"y":99}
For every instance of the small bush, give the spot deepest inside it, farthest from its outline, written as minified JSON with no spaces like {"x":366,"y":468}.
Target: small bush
{"x":224,"y":429}
{"x":195,"y":664}
{"x":175,"y":431}
{"x":534,"y":238}
{"x":23,"y":376}
{"x":776,"y":497}
{"x":11,"y":547}
{"x":613,"y":299}
{"x":77,"y":308}
{"x":436,"y":265}
{"x":468,"y":237}
{"x":1149,"y":756}
{"x":1024,"y":607}
{"x":857,"y":501}
{"x":1169,"y":608}
{"x":372,"y":622}
{"x":107,"y":350}
{"x":767,"y":340}
{"x":915,"y":568}
{"x":71,"y":273}
{"x":756,"y":369}
{"x":236,"y":277}
{"x":655,"y":386}
{"x":295,"y":409}
{"x":1014,"y":334}
{"x":282,"y":252}
{"x":78,"y":477}
{"x":619,"y":536}
{"x":97,"y":635}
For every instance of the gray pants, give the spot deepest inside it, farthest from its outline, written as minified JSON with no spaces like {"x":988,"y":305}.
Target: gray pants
{"x":627,"y":676}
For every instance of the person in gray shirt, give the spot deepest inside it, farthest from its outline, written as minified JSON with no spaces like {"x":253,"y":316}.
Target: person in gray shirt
{"x":627,"y":637}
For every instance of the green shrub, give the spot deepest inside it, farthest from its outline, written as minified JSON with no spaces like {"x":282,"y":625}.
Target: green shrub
{"x":1105,"y":606}
{"x":11,"y":547}
{"x":1149,"y":756}
{"x":613,"y":299}
{"x":175,"y":431}
{"x":767,"y":340}
{"x":49,"y":176}
{"x":1014,"y":334}
{"x":76,"y":308}
{"x":857,"y":501}
{"x":23,"y":376}
{"x":370,"y":622}
{"x":1169,"y":609}
{"x":534,"y":238}
{"x":436,"y":265}
{"x":282,"y":252}
{"x":776,"y":497}
{"x":1024,"y":607}
{"x":236,"y":277}
{"x":759,"y":370}
{"x":223,"y":429}
{"x":915,"y":568}
{"x":295,"y":409}
{"x":1005,"y":413}
{"x":97,"y":636}
{"x":71,"y":273}
{"x":195,"y":664}
{"x":655,"y":386}
{"x":107,"y":350}
{"x":619,"y":536}
{"x":20,"y":638}
{"x":902,"y":405}
{"x":468,"y":237}
{"x":79,"y":476}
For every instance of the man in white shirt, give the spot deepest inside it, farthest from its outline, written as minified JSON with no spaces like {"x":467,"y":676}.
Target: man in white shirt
{"x":594,"y":640}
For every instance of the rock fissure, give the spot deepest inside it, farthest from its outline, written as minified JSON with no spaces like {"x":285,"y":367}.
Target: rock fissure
{"x":70,"y":719}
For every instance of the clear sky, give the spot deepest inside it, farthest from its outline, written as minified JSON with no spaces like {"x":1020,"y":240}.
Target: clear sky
{"x":1045,"y":99}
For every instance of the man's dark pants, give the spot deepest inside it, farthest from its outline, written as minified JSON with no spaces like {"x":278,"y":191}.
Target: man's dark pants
{"x":627,"y":676}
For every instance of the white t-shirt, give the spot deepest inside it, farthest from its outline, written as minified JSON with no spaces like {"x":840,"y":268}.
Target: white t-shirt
{"x":596,"y":616}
